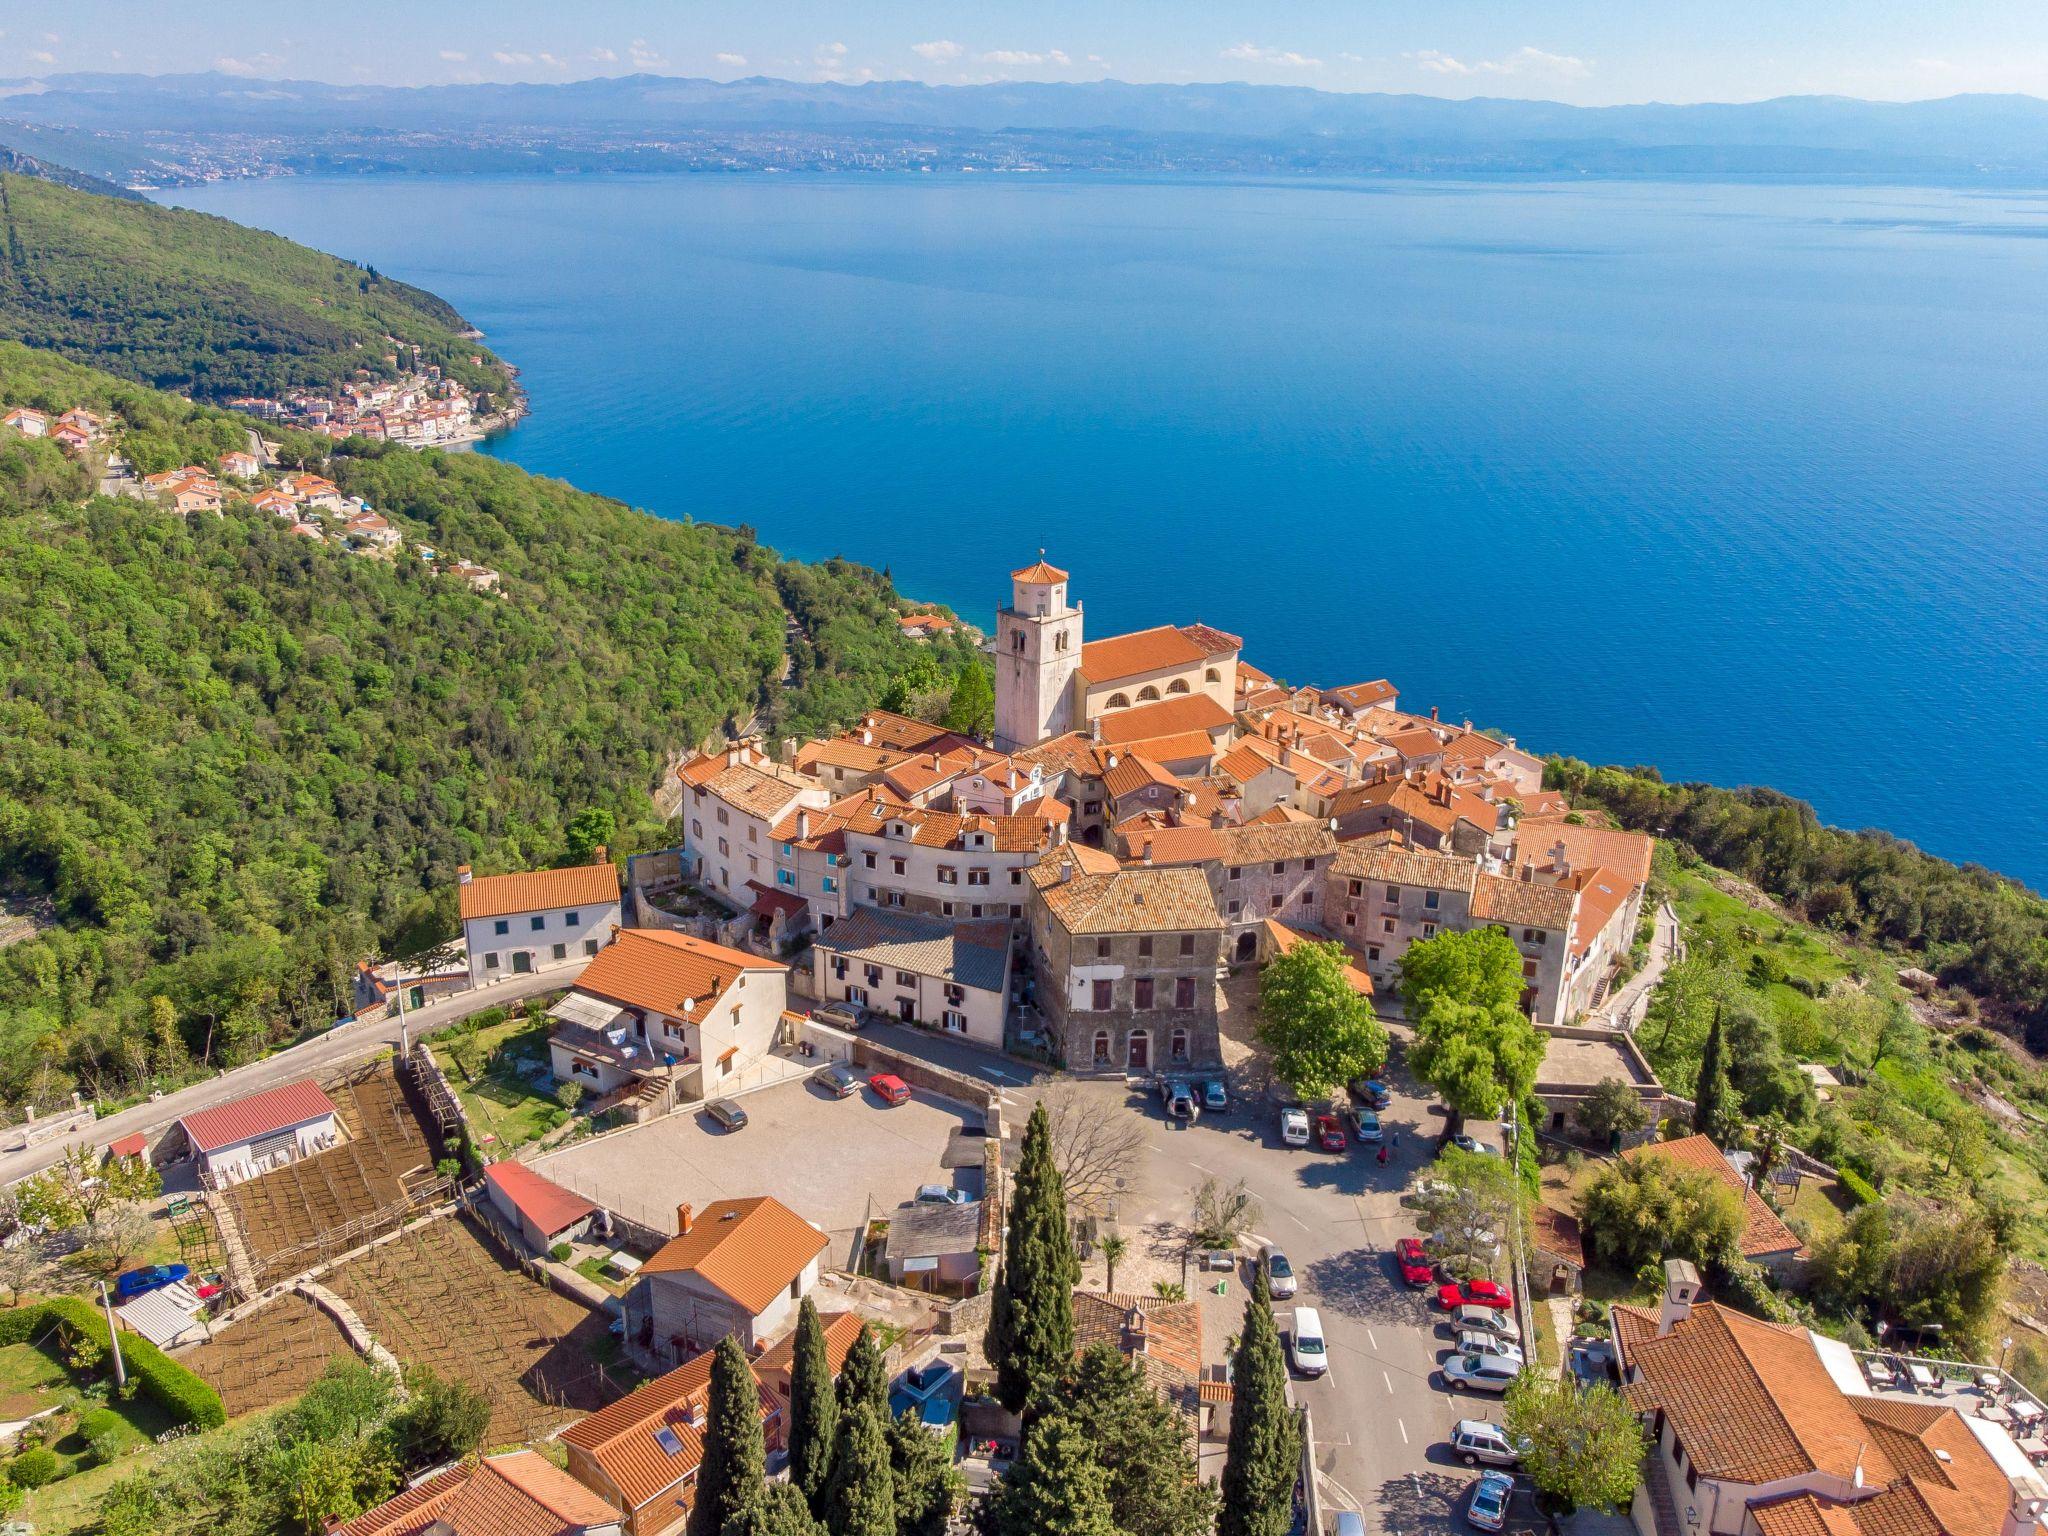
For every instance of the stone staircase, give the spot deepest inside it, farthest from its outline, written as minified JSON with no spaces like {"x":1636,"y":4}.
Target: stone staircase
{"x":241,"y":1271}
{"x":1662,"y":1505}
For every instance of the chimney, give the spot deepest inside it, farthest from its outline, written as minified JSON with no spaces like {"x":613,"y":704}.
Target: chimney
{"x":1560,"y":858}
{"x":600,"y":854}
{"x":1432,"y":712}
{"x":803,"y":824}
{"x":788,"y":750}
{"x":867,"y":737}
{"x":1146,"y":856}
{"x":463,"y":874}
{"x":1681,"y":1290}
{"x":732,"y":754}
{"x":1095,"y":729}
{"x":684,"y":1220}
{"x":693,"y":1411}
{"x":1134,"y":1330}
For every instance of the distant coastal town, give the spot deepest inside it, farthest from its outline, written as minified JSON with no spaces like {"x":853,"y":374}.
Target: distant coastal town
{"x":421,"y":408}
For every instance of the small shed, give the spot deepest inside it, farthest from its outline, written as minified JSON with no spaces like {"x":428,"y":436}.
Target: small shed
{"x":167,"y":1317}
{"x":251,"y":1135}
{"x":544,"y":1212}
{"x":933,"y":1248}
{"x":125,"y":1147}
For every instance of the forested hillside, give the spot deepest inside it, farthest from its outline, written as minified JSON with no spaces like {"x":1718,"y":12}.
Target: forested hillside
{"x":234,"y":761}
{"x":192,"y":303}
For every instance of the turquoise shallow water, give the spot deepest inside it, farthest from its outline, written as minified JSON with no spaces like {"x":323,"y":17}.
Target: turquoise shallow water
{"x":1747,"y":481}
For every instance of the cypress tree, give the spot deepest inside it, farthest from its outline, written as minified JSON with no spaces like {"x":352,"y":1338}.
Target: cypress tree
{"x":1055,"y":1487}
{"x":1710,"y":1093}
{"x":735,"y":1465}
{"x":1154,"y":1486}
{"x":779,"y":1511}
{"x":860,"y":1495}
{"x":1263,"y":1458}
{"x":1030,"y":1336}
{"x":921,"y":1469}
{"x":812,"y":1409}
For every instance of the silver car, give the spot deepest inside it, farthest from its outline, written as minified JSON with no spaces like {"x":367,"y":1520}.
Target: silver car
{"x":1477,"y":1319}
{"x":1472,"y":1342}
{"x":1474,"y":1441}
{"x":1279,"y":1274}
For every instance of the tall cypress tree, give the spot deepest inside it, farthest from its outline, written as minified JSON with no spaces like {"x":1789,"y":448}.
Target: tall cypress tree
{"x":1154,"y":1486}
{"x":860,"y":1495}
{"x":1263,"y":1458}
{"x":1030,"y":1335}
{"x":921,"y":1467}
{"x":1055,"y":1487}
{"x":1710,"y":1093}
{"x":735,"y":1465}
{"x":813,"y":1411}
{"x":779,"y":1511}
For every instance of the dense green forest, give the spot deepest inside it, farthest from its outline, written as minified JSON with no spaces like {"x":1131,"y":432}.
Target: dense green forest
{"x":233,"y":761}
{"x":193,"y":303}
{"x":1973,"y":928}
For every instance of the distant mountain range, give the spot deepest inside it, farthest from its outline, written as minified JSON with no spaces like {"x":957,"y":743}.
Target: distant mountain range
{"x":173,"y":127}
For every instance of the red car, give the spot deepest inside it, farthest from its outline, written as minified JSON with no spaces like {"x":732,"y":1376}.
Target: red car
{"x":890,"y":1088}
{"x":1329,"y":1134}
{"x":1415,"y":1266}
{"x":1474,"y":1293}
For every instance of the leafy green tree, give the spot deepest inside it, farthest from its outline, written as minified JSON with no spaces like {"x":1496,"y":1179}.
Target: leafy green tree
{"x":82,"y":1186}
{"x":1320,"y":1030}
{"x":1466,"y":1206}
{"x":1645,"y":1209}
{"x":1031,"y":1319}
{"x":1262,"y":1460}
{"x":442,"y":1420}
{"x":972,"y":709}
{"x":1055,"y":1487}
{"x":813,"y":1411}
{"x":590,"y":829}
{"x":860,"y":1497}
{"x":1581,"y":1447}
{"x":1900,"y":1263}
{"x":1710,"y":1090}
{"x":1611,"y":1110}
{"x":1154,"y":1486}
{"x":735,"y":1464}
{"x":1479,"y":1059}
{"x":922,"y":1477}
{"x":1481,"y":967}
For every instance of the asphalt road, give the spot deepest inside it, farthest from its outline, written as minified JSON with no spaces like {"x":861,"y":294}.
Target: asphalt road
{"x":314,"y":1058}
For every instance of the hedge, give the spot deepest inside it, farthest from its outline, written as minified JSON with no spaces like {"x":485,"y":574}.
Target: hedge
{"x":1864,"y":1191}
{"x":166,"y":1383}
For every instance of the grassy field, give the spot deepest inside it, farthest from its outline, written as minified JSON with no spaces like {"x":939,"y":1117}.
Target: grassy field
{"x":508,"y":1104}
{"x":31,"y":1380}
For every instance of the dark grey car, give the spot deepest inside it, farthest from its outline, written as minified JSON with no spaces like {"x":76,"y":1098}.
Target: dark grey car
{"x":727,"y":1114}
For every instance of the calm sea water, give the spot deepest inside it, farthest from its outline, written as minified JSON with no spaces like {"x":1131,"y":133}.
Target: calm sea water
{"x":1749,"y":482}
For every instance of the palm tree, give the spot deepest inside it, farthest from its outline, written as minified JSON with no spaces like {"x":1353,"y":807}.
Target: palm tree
{"x":1113,"y":1248}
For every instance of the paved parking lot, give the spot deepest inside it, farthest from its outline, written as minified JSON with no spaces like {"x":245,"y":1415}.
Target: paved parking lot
{"x":820,"y":1156}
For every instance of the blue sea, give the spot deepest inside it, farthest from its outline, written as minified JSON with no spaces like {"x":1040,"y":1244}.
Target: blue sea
{"x":1748,"y":481}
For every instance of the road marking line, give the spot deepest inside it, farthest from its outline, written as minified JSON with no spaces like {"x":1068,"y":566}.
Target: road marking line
{"x":1389,"y":1381}
{"x":1404,"y":1431}
{"x":1297,"y":1221}
{"x":1200,"y":1169}
{"x":1374,"y":1337}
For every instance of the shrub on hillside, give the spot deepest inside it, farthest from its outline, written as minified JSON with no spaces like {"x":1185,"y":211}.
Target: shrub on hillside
{"x":32,"y":1469}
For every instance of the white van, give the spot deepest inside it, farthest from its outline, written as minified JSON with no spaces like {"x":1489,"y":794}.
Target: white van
{"x":1293,"y":1127}
{"x":1311,"y":1356}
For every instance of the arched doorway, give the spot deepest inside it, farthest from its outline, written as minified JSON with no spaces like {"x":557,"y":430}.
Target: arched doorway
{"x":1248,"y":945}
{"x":1139,"y":1051}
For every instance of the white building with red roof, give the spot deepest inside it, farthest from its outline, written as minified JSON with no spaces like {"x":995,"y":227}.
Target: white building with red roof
{"x":513,"y":924}
{"x":544,"y":1212}
{"x":251,"y":1135}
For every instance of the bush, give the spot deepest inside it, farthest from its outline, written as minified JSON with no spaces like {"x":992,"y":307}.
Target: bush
{"x":32,"y":1469}
{"x":165,"y":1382}
{"x":103,"y":1448}
{"x":99,"y":1421}
{"x":560,"y":1253}
{"x":1859,"y":1187}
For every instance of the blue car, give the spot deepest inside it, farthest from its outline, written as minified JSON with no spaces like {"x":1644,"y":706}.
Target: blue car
{"x":140,"y":1282}
{"x":1215,"y":1096}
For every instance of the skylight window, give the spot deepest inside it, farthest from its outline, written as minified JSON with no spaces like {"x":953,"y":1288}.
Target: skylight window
{"x":668,"y":1440}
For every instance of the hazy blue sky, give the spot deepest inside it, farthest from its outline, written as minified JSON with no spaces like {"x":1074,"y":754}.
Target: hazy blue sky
{"x":1589,"y":51}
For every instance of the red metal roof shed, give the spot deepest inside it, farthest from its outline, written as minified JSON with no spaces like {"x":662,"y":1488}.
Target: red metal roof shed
{"x":257,"y":1116}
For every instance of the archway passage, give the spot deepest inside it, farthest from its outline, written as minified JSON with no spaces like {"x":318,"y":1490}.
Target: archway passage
{"x":1247,"y":945}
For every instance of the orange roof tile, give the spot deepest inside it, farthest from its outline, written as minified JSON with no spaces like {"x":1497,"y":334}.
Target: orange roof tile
{"x":1134,"y":772}
{"x":539,"y":890}
{"x":1149,"y":650}
{"x":1285,"y":938}
{"x":1540,"y":844}
{"x":621,"y":1438}
{"x":1134,"y":900}
{"x":520,"y":1493}
{"x":1762,"y":1229}
{"x":750,"y":1249}
{"x":840,"y":1329}
{"x":1172,"y":845}
{"x":1039,"y":571}
{"x":1356,"y":698}
{"x":668,"y":973}
{"x":1169,"y":717}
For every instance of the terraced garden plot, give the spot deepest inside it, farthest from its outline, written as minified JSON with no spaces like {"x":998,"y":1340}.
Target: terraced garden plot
{"x":270,"y":1356}
{"x":443,"y":1296}
{"x":321,"y":1206}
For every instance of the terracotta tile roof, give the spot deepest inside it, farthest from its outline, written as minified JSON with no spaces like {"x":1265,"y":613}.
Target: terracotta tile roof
{"x":1804,"y":1515}
{"x":1039,"y":571}
{"x":750,"y":1249}
{"x":1134,"y":771}
{"x":1285,"y":938}
{"x":1289,"y":840}
{"x":1281,"y":815}
{"x":1245,"y":761}
{"x":543,"y":1202}
{"x":1356,"y":698}
{"x":1172,"y":1330}
{"x":1762,"y":1230}
{"x":1148,"y":650}
{"x":540,"y":890}
{"x":755,"y":791}
{"x":621,"y":1438}
{"x":1169,"y":717}
{"x":1368,"y":859}
{"x":1073,"y":859}
{"x":904,"y":733}
{"x":520,"y":1493}
{"x":1431,"y":800}
{"x":1628,"y":854}
{"x":1134,"y":900}
{"x":132,"y":1145}
{"x":1173,"y":845}
{"x":1416,"y":744}
{"x":1028,"y":831}
{"x":258,"y":1115}
{"x":1213,"y":641}
{"x":1751,"y":1401}
{"x":775,"y":1367}
{"x":1247,"y":673}
{"x":1556,"y":1233}
{"x":668,"y":973}
{"x":1521,"y":903}
{"x":1602,"y":893}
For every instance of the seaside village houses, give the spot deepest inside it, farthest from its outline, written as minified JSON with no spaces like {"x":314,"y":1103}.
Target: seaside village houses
{"x":1153,"y":810}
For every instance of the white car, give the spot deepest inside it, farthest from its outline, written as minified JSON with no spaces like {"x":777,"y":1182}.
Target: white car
{"x":1305,"y":1346}
{"x":1294,"y":1127}
{"x":1472,"y":1342}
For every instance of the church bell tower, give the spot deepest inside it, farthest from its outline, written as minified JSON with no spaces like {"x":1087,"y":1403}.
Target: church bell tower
{"x":1038,"y":651}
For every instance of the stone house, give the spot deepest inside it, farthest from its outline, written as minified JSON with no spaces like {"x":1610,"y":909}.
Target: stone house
{"x":1271,"y":870}
{"x":944,"y":865}
{"x":740,"y":1268}
{"x":513,"y":924}
{"x":953,"y":976}
{"x":732,"y":802}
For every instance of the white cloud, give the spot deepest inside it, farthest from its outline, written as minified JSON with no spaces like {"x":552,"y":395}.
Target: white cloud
{"x":44,"y":58}
{"x":604,"y":56}
{"x":255,"y":64}
{"x":830,"y":63}
{"x":732,"y":60}
{"x":1011,"y":58}
{"x":643,"y":56}
{"x":450,"y":56}
{"x":1286,"y":58}
{"x":1523,"y":61}
{"x":837,"y":50}
{"x":551,"y":61}
{"x":508,"y":56}
{"x":937,"y":52}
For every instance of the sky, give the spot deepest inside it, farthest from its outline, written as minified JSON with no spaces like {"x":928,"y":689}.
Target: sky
{"x":1590,"y":52}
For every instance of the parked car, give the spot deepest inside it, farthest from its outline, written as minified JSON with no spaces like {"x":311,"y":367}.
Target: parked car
{"x":1480,"y":1373}
{"x":1366,"y":1124}
{"x":1350,"y":1523}
{"x":140,"y":1282}
{"x":1477,"y":1319}
{"x":846,"y":1016}
{"x":1474,"y":1293}
{"x":890,"y":1088}
{"x":941,"y":1194}
{"x":1215,"y":1096}
{"x":1490,"y":1498}
{"x":839,"y":1080}
{"x":1179,"y":1098}
{"x":1477,"y":1341}
{"x":1305,"y":1346}
{"x":1481,"y":1440}
{"x":1468,"y":1143}
{"x":1329,"y":1134}
{"x":1371,"y":1092}
{"x":1293,"y":1128}
{"x":1414,"y":1262}
{"x":727,"y":1114}
{"x":1279,"y":1275}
